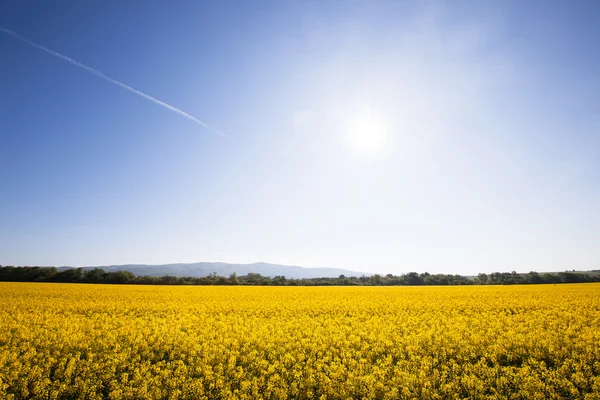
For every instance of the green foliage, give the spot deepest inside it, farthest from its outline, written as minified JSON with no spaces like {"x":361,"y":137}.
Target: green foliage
{"x":98,"y":275}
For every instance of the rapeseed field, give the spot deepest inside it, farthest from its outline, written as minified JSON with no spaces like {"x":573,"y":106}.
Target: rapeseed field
{"x":75,"y":341}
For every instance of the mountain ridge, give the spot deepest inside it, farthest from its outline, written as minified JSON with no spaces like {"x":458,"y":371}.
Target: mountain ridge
{"x":205,"y":268}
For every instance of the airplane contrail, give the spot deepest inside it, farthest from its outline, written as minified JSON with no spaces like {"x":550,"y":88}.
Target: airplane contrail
{"x":111,"y":80}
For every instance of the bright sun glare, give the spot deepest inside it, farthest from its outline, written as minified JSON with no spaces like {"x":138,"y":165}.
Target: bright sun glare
{"x":367,"y":132}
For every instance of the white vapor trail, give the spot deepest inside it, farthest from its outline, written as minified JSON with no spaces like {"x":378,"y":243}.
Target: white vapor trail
{"x":111,"y":80}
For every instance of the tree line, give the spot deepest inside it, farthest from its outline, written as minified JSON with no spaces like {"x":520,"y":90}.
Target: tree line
{"x":98,"y":275}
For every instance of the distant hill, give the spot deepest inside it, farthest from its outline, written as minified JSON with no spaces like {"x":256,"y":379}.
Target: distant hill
{"x":202,"y":269}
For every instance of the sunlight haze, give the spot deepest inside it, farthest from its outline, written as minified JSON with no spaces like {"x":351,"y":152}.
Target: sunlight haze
{"x":375,"y":136}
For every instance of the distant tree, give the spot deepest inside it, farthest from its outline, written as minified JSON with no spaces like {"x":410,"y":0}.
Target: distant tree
{"x":412,"y":278}
{"x":96,"y":275}
{"x":168,"y":280}
{"x":119,"y":277}
{"x":256,"y":279}
{"x":569,"y":277}
{"x":70,"y":275}
{"x":533,"y":277}
{"x":233,"y":279}
{"x":221,"y":280}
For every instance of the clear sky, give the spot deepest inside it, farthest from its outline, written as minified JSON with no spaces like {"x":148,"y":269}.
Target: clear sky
{"x":448,"y":137}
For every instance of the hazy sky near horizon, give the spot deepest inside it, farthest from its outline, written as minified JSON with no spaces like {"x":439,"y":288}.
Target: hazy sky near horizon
{"x":378,"y":136}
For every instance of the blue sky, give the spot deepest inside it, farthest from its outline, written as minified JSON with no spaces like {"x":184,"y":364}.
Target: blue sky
{"x":376,"y":136}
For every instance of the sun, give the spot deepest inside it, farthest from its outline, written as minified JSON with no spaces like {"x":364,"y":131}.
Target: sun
{"x":367,"y":132}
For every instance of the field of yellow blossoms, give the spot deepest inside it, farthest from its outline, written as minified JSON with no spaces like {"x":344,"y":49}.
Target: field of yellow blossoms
{"x":76,"y":341}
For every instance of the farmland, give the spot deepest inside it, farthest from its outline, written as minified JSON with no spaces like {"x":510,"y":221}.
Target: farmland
{"x":82,"y":341}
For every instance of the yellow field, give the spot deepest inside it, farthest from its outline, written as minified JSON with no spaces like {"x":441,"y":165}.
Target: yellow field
{"x":96,"y":341}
